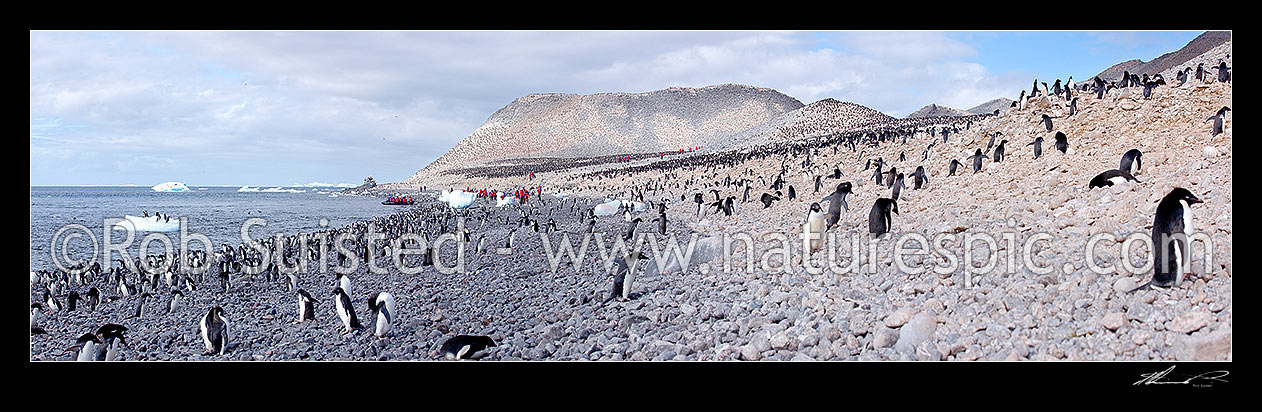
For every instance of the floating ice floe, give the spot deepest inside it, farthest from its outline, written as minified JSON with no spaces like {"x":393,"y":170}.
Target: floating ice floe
{"x":148,"y":224}
{"x":170,"y":187}
{"x":247,"y":188}
{"x":608,"y":208}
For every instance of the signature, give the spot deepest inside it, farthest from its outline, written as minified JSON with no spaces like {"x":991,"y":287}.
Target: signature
{"x":1156,"y":378}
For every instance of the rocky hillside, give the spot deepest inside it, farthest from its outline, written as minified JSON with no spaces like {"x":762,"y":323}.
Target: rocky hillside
{"x":933,"y":110}
{"x":1002,"y":103}
{"x":1197,"y":47}
{"x":818,"y":118}
{"x":571,"y":125}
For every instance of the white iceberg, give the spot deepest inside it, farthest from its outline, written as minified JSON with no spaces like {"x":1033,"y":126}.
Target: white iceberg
{"x":281,"y":190}
{"x":460,"y":200}
{"x":170,"y":187}
{"x":608,"y":208}
{"x":247,"y":188}
{"x":443,"y":197}
{"x":149,"y":224}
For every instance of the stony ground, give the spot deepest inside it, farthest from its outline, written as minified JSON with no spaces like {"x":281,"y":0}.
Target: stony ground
{"x":877,"y":312}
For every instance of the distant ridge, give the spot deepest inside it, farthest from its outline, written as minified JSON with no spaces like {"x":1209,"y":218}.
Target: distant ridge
{"x":818,"y":118}
{"x":570,"y":125}
{"x":1198,"y":46}
{"x":990,"y":106}
{"x":933,"y":110}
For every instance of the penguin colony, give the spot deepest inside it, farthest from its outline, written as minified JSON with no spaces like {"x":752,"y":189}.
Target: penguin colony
{"x":725,"y":179}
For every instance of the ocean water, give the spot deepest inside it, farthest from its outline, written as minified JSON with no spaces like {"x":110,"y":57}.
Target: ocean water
{"x":217,"y":212}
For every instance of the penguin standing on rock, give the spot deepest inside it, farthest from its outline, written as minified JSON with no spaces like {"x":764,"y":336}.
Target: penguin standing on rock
{"x":767,"y":198}
{"x":976,"y":158}
{"x":461,"y":347}
{"x":921,"y":178}
{"x":1110,"y":178}
{"x":999,"y":151}
{"x":837,"y":205}
{"x":345,"y":311}
{"x":1131,"y":158}
{"x":1047,"y":121}
{"x":87,"y":345}
{"x":1038,"y":146}
{"x":625,"y":276}
{"x":631,"y":229}
{"x":661,"y":218}
{"x":1062,"y":142}
{"x":382,"y":307}
{"x":214,"y":327}
{"x":815,"y":227}
{"x":111,"y":336}
{"x":879,"y":219}
{"x":1171,"y":229}
{"x":954,"y":164}
{"x":306,"y":307}
{"x":1217,"y":118}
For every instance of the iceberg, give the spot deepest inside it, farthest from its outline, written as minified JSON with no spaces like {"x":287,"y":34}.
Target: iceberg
{"x":170,"y":187}
{"x":608,"y":208}
{"x":281,"y":190}
{"x":247,"y":188}
{"x":460,"y":200}
{"x":506,"y":200}
{"x":148,"y":224}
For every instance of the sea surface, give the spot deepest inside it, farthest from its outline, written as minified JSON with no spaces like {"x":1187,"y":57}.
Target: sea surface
{"x":217,"y":212}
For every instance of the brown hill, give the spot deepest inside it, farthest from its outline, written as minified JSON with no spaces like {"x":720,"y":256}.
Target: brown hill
{"x":933,"y":110}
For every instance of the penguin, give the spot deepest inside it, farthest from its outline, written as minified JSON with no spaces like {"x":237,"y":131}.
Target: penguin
{"x":892,"y":174}
{"x":998,"y":152}
{"x":344,"y":281}
{"x":1073,"y":106}
{"x":306,"y":307}
{"x":87,"y":345}
{"x":631,"y":229}
{"x":214,"y":327}
{"x":1021,"y":101}
{"x":1217,"y":118}
{"x":177,"y":301}
{"x":976,"y":158}
{"x":661,"y":219}
{"x":767,"y":198}
{"x":1062,"y":142}
{"x":1200,"y":72}
{"x":345,"y":310}
{"x":382,"y":307}
{"x":837,"y":205}
{"x":1223,"y":72}
{"x":819,"y":182}
{"x":51,"y":301}
{"x":111,"y":335}
{"x":1182,"y":76}
{"x":879,"y":219}
{"x":462,"y":347}
{"x":954,"y":164}
{"x":1110,"y":178}
{"x":1047,"y":121}
{"x":815,"y":227}
{"x":1133,"y":156}
{"x":921,"y":178}
{"x":1171,"y":251}
{"x":36,"y":311}
{"x":625,"y":276}
{"x":140,"y":305}
{"x":792,"y":193}
{"x":699,"y":199}
{"x":898,"y":186}
{"x":71,"y":299}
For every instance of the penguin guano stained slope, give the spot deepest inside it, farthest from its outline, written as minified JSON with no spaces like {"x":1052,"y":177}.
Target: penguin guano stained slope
{"x":819,"y":118}
{"x":571,"y":125}
{"x":1199,"y":46}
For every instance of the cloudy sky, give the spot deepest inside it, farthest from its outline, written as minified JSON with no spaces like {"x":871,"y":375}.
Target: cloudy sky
{"x":293,"y":107}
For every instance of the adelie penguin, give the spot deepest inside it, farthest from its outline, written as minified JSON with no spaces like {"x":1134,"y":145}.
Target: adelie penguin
{"x":87,"y":345}
{"x":898,"y":186}
{"x":921,"y":178}
{"x":1171,"y":231}
{"x":1062,"y":142}
{"x":625,"y":276}
{"x":345,"y":310}
{"x":1217,"y":118}
{"x":1132,"y":158}
{"x":976,"y":158}
{"x":631,"y":229}
{"x":767,"y":198}
{"x":461,"y":347}
{"x":214,"y":327}
{"x":879,"y":219}
{"x":1047,"y":121}
{"x":306,"y":307}
{"x":814,"y":228}
{"x":999,"y":151}
{"x":1110,"y":178}
{"x":177,"y":301}
{"x":837,"y":205}
{"x":381,"y":305}
{"x":1038,"y":146}
{"x":111,"y":336}
{"x":343,"y":281}
{"x":955,"y":163}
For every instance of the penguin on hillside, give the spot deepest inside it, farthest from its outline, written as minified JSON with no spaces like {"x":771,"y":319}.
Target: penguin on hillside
{"x":1171,"y":232}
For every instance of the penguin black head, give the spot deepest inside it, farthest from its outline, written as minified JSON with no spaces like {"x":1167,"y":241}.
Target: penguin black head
{"x":815,"y":206}
{"x":1183,"y":194}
